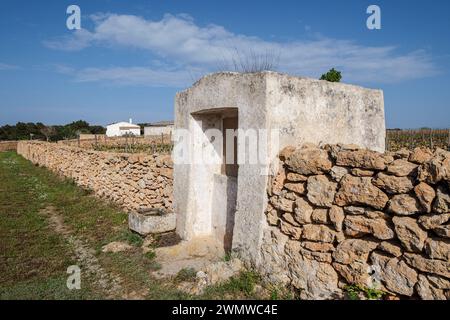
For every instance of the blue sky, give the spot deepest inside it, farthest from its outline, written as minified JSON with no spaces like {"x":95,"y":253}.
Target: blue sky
{"x":131,"y":57}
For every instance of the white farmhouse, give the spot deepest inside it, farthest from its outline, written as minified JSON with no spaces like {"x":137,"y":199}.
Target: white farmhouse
{"x":122,"y":128}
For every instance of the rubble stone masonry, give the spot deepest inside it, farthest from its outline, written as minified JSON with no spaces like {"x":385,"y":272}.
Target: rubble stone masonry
{"x":339,"y":215}
{"x":8,"y":145}
{"x":132,"y":181}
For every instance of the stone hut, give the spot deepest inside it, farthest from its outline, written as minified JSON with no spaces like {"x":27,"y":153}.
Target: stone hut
{"x":227,"y":201}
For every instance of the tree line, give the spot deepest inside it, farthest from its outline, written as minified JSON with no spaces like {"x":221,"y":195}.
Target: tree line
{"x":40,"y":131}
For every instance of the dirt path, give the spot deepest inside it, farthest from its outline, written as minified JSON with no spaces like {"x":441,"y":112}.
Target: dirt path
{"x":108,"y":283}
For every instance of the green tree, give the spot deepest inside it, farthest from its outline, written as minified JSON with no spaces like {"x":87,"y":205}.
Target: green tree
{"x":97,"y":129}
{"x":48,"y":132}
{"x":79,"y":125}
{"x":332,"y":76}
{"x":40,"y":131}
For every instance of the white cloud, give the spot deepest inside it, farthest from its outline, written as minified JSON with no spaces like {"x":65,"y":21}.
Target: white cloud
{"x":5,"y":66}
{"x":181,"y":43}
{"x":134,"y":76}
{"x":78,"y":40}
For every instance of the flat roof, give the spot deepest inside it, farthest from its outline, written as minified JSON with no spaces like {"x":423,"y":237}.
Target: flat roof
{"x":124,"y":124}
{"x":161,"y":124}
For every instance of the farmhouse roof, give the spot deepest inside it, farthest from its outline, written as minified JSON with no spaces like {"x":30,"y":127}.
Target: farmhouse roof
{"x":160,"y":124}
{"x":124,"y":124}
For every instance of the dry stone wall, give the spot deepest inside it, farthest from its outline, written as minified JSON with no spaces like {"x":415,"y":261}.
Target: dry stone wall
{"x":8,"y":145}
{"x":339,"y":215}
{"x":88,"y":141}
{"x":133,"y":181}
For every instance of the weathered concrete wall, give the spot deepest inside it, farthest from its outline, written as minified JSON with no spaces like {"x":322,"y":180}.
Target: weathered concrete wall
{"x":132,"y":181}
{"x":193,"y":183}
{"x":338,"y":214}
{"x":316,"y":111}
{"x":8,"y":145}
{"x":224,"y":208}
{"x":301,"y":109}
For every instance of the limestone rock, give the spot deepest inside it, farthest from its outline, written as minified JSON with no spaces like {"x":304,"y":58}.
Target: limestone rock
{"x":320,"y":233}
{"x":355,"y":210}
{"x":438,"y":249}
{"x":166,"y":172}
{"x":360,"y":191}
{"x":303,"y":211}
{"x":353,"y":250}
{"x":355,"y":273}
{"x":213,"y":274}
{"x":282,"y":203}
{"x":320,"y":216}
{"x":390,"y":248}
{"x":348,"y":146}
{"x":334,"y":149}
{"x":427,"y":292}
{"x":374,"y":214}
{"x":425,"y":194}
{"x":442,"y":202}
{"x":288,"y":229}
{"x":437,"y":169}
{"x":395,"y":274}
{"x":338,"y":172}
{"x":277,"y":183}
{"x":317,"y":246}
{"x":443,"y":231}
{"x":307,"y":161}
{"x":321,"y":190}
{"x":315,"y":255}
{"x":365,"y":159}
{"x":409,"y":233}
{"x":361,"y":172}
{"x":340,"y":236}
{"x":439,"y":282}
{"x":274,"y":260}
{"x":272,"y":216}
{"x":403,"y":153}
{"x":421,"y":155}
{"x":295,"y":177}
{"x":438,"y":267}
{"x":432,"y":221}
{"x":404,"y":204}
{"x":401,"y":168}
{"x":288,"y":217}
{"x":166,"y":160}
{"x":393,"y":184}
{"x":141,"y":184}
{"x":289,"y":195}
{"x":286,"y":153}
{"x":356,"y":226}
{"x":296,"y":187}
{"x":116,"y":246}
{"x":314,"y":279}
{"x":336,"y":216}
